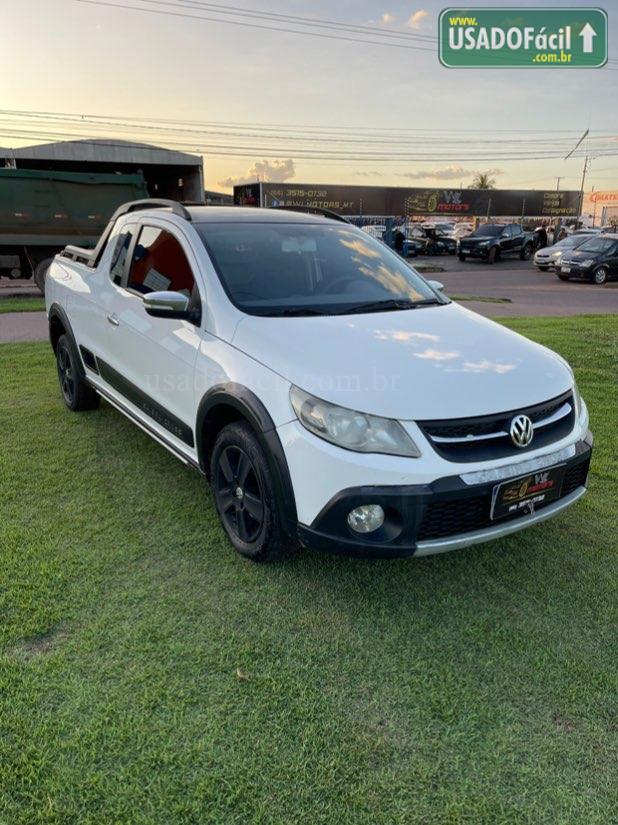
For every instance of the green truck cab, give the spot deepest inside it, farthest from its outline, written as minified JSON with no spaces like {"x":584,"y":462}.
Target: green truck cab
{"x":43,"y":211}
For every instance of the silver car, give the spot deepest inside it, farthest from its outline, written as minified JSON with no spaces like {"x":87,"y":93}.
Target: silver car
{"x":550,"y":256}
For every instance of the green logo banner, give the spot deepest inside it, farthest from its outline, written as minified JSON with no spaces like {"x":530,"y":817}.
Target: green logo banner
{"x":523,"y":38}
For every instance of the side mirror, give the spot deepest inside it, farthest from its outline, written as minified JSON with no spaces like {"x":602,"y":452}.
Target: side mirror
{"x":436,"y":285}
{"x":167,"y":305}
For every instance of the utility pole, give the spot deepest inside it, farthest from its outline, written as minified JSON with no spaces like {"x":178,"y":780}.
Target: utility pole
{"x":581,"y":189}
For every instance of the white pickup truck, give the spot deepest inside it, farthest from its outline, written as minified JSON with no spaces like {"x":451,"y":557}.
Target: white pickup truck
{"x":331,"y":395}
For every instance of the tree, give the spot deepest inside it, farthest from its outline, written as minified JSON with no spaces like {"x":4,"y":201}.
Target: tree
{"x":483,"y":181}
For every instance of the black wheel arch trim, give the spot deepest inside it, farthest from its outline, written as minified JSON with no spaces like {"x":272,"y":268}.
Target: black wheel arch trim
{"x":248,"y":405}
{"x":56,"y":311}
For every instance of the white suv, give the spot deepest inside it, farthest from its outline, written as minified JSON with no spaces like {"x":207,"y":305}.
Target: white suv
{"x":331,"y":395}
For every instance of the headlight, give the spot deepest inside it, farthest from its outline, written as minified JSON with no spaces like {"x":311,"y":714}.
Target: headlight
{"x":351,"y":430}
{"x":587,"y":263}
{"x":555,"y":254}
{"x":484,"y":243}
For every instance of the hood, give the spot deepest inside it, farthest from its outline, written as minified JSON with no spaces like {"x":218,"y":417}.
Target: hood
{"x":581,"y":255}
{"x":434,"y":362}
{"x":469,"y":239}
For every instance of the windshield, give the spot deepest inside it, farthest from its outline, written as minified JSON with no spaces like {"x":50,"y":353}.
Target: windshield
{"x":308,"y":269}
{"x":571,"y":241}
{"x":487,"y":229}
{"x":597,"y":245}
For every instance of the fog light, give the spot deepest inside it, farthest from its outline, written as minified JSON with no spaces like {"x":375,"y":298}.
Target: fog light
{"x":366,"y":518}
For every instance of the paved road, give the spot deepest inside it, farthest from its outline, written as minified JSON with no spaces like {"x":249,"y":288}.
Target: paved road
{"x":23,"y":326}
{"x":531,"y":292}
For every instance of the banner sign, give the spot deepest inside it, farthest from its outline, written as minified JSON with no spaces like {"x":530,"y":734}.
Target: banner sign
{"x":396,"y":200}
{"x":523,"y":38}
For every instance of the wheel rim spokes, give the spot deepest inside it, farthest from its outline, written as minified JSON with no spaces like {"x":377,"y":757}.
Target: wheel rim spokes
{"x":66,"y":374}
{"x":239,"y":494}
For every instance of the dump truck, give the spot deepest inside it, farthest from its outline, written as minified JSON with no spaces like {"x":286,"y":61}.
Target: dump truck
{"x":43,"y":211}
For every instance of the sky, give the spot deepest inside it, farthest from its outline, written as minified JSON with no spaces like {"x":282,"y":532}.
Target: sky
{"x":72,"y":57}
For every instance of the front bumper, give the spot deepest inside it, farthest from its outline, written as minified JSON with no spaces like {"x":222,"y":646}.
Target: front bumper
{"x":540,"y":260}
{"x":575,"y":271}
{"x":475,"y":252}
{"x":434,"y":518}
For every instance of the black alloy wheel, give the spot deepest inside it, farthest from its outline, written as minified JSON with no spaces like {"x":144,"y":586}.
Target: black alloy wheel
{"x":66,"y":374}
{"x":77,"y":394}
{"x":526,"y":252}
{"x":239,"y":495}
{"x":244,"y":494}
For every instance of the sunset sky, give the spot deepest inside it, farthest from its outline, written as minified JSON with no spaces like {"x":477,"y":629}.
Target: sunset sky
{"x":74,"y":57}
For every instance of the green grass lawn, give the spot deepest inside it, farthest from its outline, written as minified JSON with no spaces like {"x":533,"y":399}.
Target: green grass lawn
{"x":150,"y":675}
{"x":27,"y":304}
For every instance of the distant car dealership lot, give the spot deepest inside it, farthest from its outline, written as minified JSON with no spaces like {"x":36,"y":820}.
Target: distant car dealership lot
{"x":529,"y":291}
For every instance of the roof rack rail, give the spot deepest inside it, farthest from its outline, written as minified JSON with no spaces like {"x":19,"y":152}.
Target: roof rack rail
{"x":314,"y":210}
{"x":152,"y":203}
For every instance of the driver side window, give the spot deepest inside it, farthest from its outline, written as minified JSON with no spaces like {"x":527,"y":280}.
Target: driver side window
{"x":159,"y":263}
{"x":506,"y":232}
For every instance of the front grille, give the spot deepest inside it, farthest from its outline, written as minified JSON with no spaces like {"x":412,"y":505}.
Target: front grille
{"x":486,"y":437}
{"x":573,"y":478}
{"x":448,"y":518}
{"x":465,"y":515}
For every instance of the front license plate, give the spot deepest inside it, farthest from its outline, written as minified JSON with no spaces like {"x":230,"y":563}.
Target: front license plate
{"x":525,"y":493}
{"x":565,"y":269}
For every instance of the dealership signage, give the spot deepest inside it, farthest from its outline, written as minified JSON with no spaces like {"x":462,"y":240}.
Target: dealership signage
{"x":400,"y":200}
{"x":520,"y":37}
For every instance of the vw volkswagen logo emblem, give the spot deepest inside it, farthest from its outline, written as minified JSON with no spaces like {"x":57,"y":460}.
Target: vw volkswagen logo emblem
{"x":522,"y":431}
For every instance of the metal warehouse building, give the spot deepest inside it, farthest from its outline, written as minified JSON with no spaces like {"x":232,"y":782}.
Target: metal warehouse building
{"x":168,"y":174}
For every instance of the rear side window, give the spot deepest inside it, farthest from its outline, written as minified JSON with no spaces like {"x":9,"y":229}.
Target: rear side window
{"x":159,"y":263}
{"x":121,"y":251}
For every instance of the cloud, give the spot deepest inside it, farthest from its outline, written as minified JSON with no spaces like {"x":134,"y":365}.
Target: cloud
{"x":276,"y":171}
{"x":387,"y":17}
{"x":417,"y":18}
{"x":447,"y":173}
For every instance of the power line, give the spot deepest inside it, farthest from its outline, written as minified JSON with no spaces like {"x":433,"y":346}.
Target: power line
{"x":277,"y":152}
{"x":157,"y":132}
{"x":313,"y":22}
{"x":255,"y":25}
{"x":303,"y":126}
{"x":29,"y":119}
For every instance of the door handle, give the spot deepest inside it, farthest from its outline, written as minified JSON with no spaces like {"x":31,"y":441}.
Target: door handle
{"x":113,"y":320}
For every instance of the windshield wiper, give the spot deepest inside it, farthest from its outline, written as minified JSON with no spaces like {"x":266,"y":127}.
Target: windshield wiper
{"x":387,"y":305}
{"x":291,"y":312}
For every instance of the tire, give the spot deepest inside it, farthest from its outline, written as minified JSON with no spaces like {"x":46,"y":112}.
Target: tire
{"x":600,"y":276}
{"x":564,"y":277}
{"x":526,"y":253}
{"x":76,"y":393}
{"x":492,"y":256}
{"x":543,"y":268}
{"x":244,"y":494}
{"x":40,"y":273}
{"x":462,"y":258}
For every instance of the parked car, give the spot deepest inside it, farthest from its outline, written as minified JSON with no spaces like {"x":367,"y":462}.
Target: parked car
{"x":330,"y":394}
{"x":461,"y":230}
{"x":595,"y":260}
{"x":550,"y":256}
{"x":491,"y":241}
{"x":429,"y":241}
